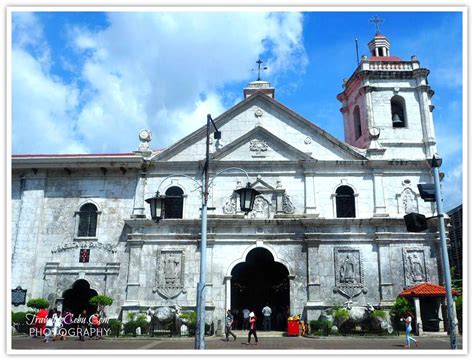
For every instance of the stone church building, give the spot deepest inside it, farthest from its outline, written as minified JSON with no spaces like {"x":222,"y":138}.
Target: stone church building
{"x":326,"y":229}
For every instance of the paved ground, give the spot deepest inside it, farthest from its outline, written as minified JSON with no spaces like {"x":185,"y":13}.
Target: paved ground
{"x":273,"y":340}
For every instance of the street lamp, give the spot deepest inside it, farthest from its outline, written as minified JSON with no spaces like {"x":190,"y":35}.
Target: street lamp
{"x":417,"y":222}
{"x":157,"y":209}
{"x":435,"y":164}
{"x":156,"y":206}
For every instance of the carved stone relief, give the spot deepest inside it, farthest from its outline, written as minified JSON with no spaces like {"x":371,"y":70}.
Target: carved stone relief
{"x":261,"y":208}
{"x":84,"y":244}
{"x":349,"y":272}
{"x":408,"y":199}
{"x":288,"y":207}
{"x":270,"y":201}
{"x":414,"y":265}
{"x":258,"y":146}
{"x":169,"y":280}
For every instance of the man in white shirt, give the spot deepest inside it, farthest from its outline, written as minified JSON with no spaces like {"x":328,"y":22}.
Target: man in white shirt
{"x":245,"y":316}
{"x":267,"y":312}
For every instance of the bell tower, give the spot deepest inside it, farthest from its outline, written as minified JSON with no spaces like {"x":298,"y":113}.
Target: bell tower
{"x":386,"y":105}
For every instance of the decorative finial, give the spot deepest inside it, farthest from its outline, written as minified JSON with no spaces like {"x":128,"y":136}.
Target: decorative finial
{"x":259,"y":62}
{"x":376,"y":21}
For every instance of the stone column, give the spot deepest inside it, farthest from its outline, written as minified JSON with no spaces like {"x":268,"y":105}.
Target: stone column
{"x":25,"y":242}
{"x":419,"y":322}
{"x":310,"y":193}
{"x":293,"y":291}
{"x":369,"y":107}
{"x":133,"y":280}
{"x":227,"y":292}
{"x":385,"y":272}
{"x":440,"y":316}
{"x":314,"y":282}
{"x":379,"y":196}
{"x":422,"y":91}
{"x":139,"y":200}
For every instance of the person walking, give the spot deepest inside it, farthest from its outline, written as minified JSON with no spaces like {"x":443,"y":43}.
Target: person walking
{"x":56,"y":325}
{"x":253,"y":328}
{"x":408,"y":318}
{"x":267,"y":312}
{"x":82,"y":325}
{"x":245,"y":317}
{"x":229,"y":320}
{"x":95,"y":320}
{"x":49,"y":326}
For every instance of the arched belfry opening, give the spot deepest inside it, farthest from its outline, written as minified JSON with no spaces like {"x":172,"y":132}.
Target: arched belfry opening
{"x":259,"y":281}
{"x":76,"y":298}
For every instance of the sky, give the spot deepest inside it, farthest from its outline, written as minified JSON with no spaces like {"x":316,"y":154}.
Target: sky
{"x":87,"y":82}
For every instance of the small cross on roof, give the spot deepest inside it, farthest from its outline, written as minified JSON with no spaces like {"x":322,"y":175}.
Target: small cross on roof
{"x":376,"y":20}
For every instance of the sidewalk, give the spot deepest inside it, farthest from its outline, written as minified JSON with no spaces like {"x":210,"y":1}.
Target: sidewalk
{"x":267,"y":341}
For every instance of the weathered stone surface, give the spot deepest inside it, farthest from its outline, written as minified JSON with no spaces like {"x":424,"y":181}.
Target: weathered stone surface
{"x":295,"y":165}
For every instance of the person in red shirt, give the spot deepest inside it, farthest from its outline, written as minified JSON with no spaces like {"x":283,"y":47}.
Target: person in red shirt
{"x":40,"y":323}
{"x":95,"y":320}
{"x":253,"y":328}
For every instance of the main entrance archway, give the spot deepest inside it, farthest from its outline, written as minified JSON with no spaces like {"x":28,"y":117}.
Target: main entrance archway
{"x":258,"y":281}
{"x":77,"y":298}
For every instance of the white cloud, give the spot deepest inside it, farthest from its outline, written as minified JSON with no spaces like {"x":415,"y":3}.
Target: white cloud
{"x":43,"y":109}
{"x":162,"y":71}
{"x":452,"y":187}
{"x":153,"y":70}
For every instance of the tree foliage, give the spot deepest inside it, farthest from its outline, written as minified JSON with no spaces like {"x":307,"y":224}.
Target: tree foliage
{"x":38,"y":303}
{"x":100,"y":301}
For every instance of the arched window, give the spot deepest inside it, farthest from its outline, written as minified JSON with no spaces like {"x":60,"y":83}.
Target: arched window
{"x":174,"y":203}
{"x":397,"y":104}
{"x":87,"y":220}
{"x":345,"y":202}
{"x":357,"y":126}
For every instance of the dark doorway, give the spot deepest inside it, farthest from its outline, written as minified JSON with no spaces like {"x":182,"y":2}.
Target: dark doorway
{"x":258,"y":281}
{"x":77,"y":298}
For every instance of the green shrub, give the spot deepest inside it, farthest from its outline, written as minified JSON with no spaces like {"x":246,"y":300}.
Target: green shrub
{"x":38,"y":303}
{"x":130,"y":328}
{"x":21,"y":321}
{"x":399,"y":310}
{"x":341,"y":314}
{"x":191,"y":321}
{"x":321,"y":326}
{"x":144,"y":326}
{"x":18,"y":317}
{"x":378,"y":313}
{"x":115,"y":327}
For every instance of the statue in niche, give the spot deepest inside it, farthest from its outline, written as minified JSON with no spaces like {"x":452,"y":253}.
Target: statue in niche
{"x":172,"y":267}
{"x":416,"y":268}
{"x":260,"y":208}
{"x":347,"y":271}
{"x":409,"y":201}
{"x":287,"y":205}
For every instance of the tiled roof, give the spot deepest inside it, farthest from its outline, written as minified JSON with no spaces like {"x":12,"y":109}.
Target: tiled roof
{"x":426,"y":289}
{"x":79,"y":155}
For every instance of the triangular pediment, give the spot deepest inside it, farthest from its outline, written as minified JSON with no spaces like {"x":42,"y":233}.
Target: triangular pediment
{"x":289,"y":136}
{"x":259,"y":145}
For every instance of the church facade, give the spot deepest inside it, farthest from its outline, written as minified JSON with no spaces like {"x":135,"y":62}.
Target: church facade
{"x":327,"y":227}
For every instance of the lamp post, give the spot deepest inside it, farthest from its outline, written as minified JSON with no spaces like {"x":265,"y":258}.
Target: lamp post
{"x":157,"y":209}
{"x":435,"y":164}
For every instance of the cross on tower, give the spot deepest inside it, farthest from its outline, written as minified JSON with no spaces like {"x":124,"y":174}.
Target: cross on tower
{"x":376,"y":21}
{"x":259,"y":62}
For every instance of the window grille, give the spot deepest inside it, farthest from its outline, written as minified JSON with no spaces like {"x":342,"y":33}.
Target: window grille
{"x":87,"y":221}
